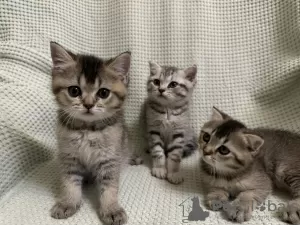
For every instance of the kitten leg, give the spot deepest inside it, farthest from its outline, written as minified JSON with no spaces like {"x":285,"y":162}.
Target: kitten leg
{"x":291,"y":213}
{"x":173,"y":165}
{"x":70,"y":197}
{"x":158,"y":155}
{"x":216,"y":198}
{"x":242,"y":207}
{"x":110,"y":211}
{"x":174,"y":156}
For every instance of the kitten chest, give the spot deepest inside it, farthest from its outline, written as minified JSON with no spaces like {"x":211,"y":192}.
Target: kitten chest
{"x":91,"y":147}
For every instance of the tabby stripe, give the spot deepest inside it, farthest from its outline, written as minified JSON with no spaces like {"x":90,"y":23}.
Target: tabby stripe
{"x":157,"y":144}
{"x":155,"y":151}
{"x":184,"y":87}
{"x":181,"y":106}
{"x":153,"y":132}
{"x":179,"y":113}
{"x":176,"y":159}
{"x":242,"y":163}
{"x":180,"y":95}
{"x":157,"y":156}
{"x":178,"y":135}
{"x":156,"y":109}
{"x":75,"y":172}
{"x":173,"y":148}
{"x":190,"y":146}
{"x":106,"y":163}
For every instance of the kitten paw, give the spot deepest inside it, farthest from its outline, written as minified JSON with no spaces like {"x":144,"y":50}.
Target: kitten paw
{"x":292,"y":212}
{"x":114,"y":216}
{"x":159,"y":172}
{"x":215,"y":204}
{"x":63,"y":211}
{"x":175,"y":178}
{"x":239,"y":212}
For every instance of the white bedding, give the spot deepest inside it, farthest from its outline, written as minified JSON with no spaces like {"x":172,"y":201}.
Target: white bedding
{"x":248,"y":57}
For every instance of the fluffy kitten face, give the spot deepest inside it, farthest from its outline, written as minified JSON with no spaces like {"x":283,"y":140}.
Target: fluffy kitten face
{"x":167,"y":85}
{"x":226,"y":144}
{"x":87,"y":87}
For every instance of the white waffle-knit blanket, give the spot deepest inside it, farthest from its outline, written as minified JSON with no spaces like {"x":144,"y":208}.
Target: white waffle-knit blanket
{"x":248,"y":57}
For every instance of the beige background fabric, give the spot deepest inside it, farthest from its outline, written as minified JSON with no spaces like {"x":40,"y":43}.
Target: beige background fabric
{"x":248,"y":57}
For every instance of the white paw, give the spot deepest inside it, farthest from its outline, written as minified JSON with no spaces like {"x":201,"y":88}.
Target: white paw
{"x":175,"y":178}
{"x":159,"y":172}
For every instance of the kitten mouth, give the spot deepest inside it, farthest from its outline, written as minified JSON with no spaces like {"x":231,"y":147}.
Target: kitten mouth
{"x":161,"y":96}
{"x":88,"y":112}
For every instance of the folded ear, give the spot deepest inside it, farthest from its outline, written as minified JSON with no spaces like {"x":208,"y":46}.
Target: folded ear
{"x":61,"y":58}
{"x":255,"y":142}
{"x":219,"y":115}
{"x":154,"y":68}
{"x":121,"y":65}
{"x":190,"y":73}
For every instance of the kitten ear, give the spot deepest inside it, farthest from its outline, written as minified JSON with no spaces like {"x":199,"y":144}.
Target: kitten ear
{"x":154,"y":68}
{"x":121,"y":65}
{"x":219,"y":115}
{"x":191,"y":72}
{"x":61,"y":58}
{"x":255,"y":142}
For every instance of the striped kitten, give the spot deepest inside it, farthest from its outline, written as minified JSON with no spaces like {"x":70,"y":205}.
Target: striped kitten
{"x":92,"y":139}
{"x":169,"y":134}
{"x":244,"y":163}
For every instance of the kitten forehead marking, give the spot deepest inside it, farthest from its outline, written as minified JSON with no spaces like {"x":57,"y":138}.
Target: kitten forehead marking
{"x":228,"y":127}
{"x":90,"y":67}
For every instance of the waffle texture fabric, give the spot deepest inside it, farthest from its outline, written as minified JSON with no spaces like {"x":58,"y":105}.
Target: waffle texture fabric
{"x":248,"y":57}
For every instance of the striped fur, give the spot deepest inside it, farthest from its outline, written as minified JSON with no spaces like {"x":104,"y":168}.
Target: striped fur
{"x":91,"y":134}
{"x":257,"y":159}
{"x":170,"y":136}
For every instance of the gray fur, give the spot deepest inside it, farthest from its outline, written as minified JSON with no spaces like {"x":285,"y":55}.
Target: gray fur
{"x":169,"y":134}
{"x":91,"y":135}
{"x":258,"y":159}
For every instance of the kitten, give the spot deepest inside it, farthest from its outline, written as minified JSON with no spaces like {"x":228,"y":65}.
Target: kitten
{"x":92,"y":138}
{"x":245,"y":163}
{"x":169,"y":134}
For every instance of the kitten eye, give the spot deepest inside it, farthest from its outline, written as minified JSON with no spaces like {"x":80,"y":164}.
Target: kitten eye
{"x":74,"y":91}
{"x":156,"y":82}
{"x":103,"y":93}
{"x":173,"y":84}
{"x":206,"y":137}
{"x":223,"y":150}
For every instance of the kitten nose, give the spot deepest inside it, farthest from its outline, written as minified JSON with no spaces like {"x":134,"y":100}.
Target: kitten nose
{"x":88,"y":106}
{"x":207,"y":151}
{"x":161,"y":90}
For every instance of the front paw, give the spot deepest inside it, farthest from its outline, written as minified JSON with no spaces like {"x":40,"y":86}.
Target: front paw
{"x":114,"y":216}
{"x":159,"y":172}
{"x":63,"y":211}
{"x":292,"y":212}
{"x":175,"y":178}
{"x":237,"y":211}
{"x":215,"y":204}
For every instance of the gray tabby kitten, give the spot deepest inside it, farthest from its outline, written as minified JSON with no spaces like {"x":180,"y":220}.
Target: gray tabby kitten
{"x":92,"y":139}
{"x":169,"y":134}
{"x":244,"y":163}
